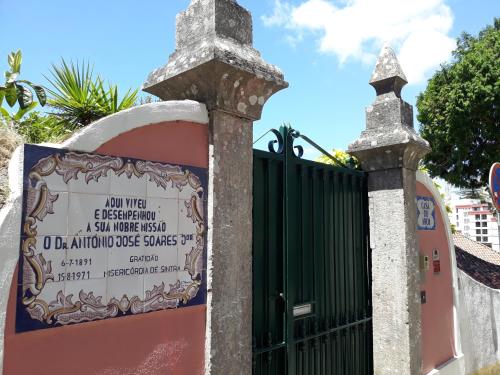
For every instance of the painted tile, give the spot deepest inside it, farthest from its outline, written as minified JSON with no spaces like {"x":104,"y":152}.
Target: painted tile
{"x":92,"y":295}
{"x":55,"y":220}
{"x":156,"y":292}
{"x":80,"y":185}
{"x":153,"y":190}
{"x":161,"y":261}
{"x":50,"y":292}
{"x":186,"y":192}
{"x":87,"y":256}
{"x":165,"y":220}
{"x":126,"y":290}
{"x":55,"y":183}
{"x":123,"y":185}
{"x":187,"y":230}
{"x":121,"y":260}
{"x":83,"y":209}
{"x":124,"y":246}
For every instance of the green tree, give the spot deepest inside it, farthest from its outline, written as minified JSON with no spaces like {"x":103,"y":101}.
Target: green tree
{"x":340,"y":159}
{"x":79,"y":98}
{"x":459,"y":111}
{"x":20,"y":92}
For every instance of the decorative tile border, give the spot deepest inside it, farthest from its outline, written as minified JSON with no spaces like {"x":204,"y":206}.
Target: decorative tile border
{"x":96,"y":245}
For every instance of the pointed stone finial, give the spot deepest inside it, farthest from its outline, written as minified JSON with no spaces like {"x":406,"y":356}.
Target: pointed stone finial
{"x":215,"y":63}
{"x":388,"y":77}
{"x":389,"y":141}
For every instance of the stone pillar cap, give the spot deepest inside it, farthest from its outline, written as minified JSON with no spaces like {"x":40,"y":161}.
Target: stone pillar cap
{"x":389,"y":141}
{"x":215,"y":63}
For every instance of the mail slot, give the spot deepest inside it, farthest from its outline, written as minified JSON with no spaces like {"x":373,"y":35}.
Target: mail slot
{"x":301,"y":310}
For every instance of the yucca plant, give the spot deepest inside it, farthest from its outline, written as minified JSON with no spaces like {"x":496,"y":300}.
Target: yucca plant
{"x":79,"y":98}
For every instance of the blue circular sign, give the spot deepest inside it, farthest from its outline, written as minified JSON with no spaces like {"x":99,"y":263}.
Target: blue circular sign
{"x":495,"y":184}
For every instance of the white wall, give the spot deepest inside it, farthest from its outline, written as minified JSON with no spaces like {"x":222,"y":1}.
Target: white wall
{"x":479,"y":315}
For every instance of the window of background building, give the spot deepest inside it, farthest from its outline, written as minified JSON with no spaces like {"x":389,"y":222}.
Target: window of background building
{"x":478,"y":239}
{"x":478,"y":224}
{"x":477,"y":217}
{"x":483,"y":217}
{"x":484,"y":224}
{"x":478,"y":231}
{"x":485,"y":239}
{"x":485,"y":231}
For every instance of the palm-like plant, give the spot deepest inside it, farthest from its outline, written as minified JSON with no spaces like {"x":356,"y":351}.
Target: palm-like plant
{"x":80,"y":99}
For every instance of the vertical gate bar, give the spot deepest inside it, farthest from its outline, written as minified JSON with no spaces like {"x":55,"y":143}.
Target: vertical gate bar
{"x":265,"y":264}
{"x":326,"y":262}
{"x":343,"y":300}
{"x":346,"y":263}
{"x":352,"y":272}
{"x":319,"y":270}
{"x":331,"y":266}
{"x":257,"y":253}
{"x":291,"y":245}
{"x":356,"y":270}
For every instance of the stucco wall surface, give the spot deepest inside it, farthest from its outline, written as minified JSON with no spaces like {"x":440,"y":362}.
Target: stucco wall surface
{"x":438,"y":342}
{"x":479,"y":326}
{"x":168,"y":341}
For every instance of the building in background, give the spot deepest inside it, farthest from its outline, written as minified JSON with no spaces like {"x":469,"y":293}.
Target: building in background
{"x":476,"y":221}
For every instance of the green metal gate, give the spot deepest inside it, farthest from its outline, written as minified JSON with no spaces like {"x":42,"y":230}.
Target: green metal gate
{"x":311,"y":262}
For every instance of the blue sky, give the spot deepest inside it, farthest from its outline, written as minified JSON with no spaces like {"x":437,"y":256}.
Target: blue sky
{"x":325,"y":48}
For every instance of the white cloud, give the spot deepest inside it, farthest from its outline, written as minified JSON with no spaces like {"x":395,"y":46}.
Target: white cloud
{"x":356,"y":30}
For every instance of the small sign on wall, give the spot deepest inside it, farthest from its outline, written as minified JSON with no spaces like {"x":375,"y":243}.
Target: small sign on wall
{"x":436,"y":261}
{"x":426,"y":213}
{"x":104,"y":237}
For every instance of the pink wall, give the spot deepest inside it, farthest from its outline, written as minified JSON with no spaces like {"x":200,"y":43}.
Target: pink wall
{"x":163,"y":342}
{"x":437,"y":312}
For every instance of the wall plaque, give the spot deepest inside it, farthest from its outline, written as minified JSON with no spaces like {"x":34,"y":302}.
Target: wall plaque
{"x":105,"y":237}
{"x":426,"y":213}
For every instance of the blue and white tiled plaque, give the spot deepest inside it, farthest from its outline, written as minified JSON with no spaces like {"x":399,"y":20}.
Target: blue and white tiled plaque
{"x":426,"y":213}
{"x":105,"y":236}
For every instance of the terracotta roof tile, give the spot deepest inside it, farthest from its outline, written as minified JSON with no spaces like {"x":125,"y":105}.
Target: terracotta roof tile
{"x":478,"y":261}
{"x":477,"y":249}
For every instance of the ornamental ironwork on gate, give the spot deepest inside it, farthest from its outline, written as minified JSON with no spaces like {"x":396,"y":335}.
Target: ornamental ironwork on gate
{"x":311,"y":264}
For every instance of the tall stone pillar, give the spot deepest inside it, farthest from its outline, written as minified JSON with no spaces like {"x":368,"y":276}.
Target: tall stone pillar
{"x":389,"y":150}
{"x":215,"y":63}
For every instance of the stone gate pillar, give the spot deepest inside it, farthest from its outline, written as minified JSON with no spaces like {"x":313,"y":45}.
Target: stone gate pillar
{"x":215,"y":63}
{"x":389,"y":150}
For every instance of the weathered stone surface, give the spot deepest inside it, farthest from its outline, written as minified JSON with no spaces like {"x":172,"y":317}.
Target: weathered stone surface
{"x":388,"y":77}
{"x":215,"y":62}
{"x":229,"y":343}
{"x":210,"y":19}
{"x":389,"y":141}
{"x":389,"y":150}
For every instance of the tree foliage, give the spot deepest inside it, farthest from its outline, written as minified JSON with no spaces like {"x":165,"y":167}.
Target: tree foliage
{"x":39,"y":128}
{"x":459,"y":111}
{"x":340,"y":159}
